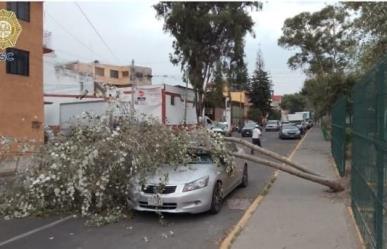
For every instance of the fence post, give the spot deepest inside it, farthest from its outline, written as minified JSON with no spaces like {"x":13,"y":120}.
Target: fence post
{"x":380,"y":81}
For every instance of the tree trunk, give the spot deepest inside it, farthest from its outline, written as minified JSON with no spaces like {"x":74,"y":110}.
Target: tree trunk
{"x":271,"y":154}
{"x":333,"y":185}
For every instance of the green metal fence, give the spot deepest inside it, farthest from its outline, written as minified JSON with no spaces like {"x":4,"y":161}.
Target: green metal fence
{"x":369,"y":156}
{"x":338,"y":141}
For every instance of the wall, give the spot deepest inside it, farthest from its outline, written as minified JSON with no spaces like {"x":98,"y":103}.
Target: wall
{"x":21,"y":97}
{"x":52,"y":110}
{"x":58,"y":79}
{"x":175,"y":113}
{"x":122,"y":80}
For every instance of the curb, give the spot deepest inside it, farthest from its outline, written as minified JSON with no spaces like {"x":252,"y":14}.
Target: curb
{"x":358,"y":233}
{"x":349,"y":208}
{"x":237,"y":229}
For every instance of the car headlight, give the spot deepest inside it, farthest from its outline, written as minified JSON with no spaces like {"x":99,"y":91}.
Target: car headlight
{"x":197,"y":184}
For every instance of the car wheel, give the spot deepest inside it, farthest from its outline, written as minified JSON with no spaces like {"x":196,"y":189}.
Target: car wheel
{"x":217,"y":199}
{"x":245,"y":177}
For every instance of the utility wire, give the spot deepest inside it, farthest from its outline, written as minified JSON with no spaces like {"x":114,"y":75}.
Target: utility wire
{"x":70,"y":34}
{"x":96,"y":31}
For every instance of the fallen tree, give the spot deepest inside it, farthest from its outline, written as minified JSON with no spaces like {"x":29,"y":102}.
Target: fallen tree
{"x":271,"y":154}
{"x":294,"y":169}
{"x":332,"y":184}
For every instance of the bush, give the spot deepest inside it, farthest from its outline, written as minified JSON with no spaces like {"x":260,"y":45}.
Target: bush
{"x":90,"y":171}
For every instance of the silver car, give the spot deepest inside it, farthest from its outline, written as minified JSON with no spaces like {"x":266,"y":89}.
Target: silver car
{"x":272,"y":125}
{"x":195,"y":188}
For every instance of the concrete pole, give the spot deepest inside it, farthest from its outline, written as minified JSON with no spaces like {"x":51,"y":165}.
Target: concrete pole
{"x":185,"y":103}
{"x":132,"y":80}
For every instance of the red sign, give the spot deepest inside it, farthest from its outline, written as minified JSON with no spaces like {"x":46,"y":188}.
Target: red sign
{"x":141,"y":93}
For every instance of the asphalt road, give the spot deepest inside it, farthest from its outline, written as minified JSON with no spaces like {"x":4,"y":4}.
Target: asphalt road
{"x":145,"y":230}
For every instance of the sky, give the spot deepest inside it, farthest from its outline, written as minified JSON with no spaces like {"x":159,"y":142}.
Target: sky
{"x":130,"y":30}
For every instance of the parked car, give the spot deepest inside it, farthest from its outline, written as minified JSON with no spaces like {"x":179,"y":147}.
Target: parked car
{"x":300,"y":125}
{"x":310,"y":123}
{"x":284,"y":123}
{"x":272,"y":125}
{"x":198,"y":187}
{"x":289,"y":131}
{"x":222,"y":128}
{"x":247,"y":130}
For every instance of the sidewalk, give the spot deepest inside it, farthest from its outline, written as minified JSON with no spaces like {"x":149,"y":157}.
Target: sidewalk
{"x":298,"y":214}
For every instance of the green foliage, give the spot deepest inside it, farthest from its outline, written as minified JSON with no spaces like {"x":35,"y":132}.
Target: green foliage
{"x":322,"y":39}
{"x":322,"y":92}
{"x":91,"y":171}
{"x":369,"y":29}
{"x":214,"y":97}
{"x":255,"y":114}
{"x":293,"y":102}
{"x":260,"y":87}
{"x":334,"y":45}
{"x":274,"y":115}
{"x":205,"y":34}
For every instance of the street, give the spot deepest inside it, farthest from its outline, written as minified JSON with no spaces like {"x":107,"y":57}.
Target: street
{"x":145,"y":230}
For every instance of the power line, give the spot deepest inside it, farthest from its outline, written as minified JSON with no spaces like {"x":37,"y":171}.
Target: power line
{"x":70,"y":34}
{"x":96,"y":31}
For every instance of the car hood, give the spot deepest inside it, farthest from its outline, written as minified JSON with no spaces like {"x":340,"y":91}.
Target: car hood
{"x":181,"y":174}
{"x":290,"y":130}
{"x":218,"y":129}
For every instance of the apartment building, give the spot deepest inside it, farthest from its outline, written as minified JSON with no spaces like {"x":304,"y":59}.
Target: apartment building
{"x":21,"y":80}
{"x":119,"y":76}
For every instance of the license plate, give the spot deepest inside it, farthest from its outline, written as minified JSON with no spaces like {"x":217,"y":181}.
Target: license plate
{"x":155,"y":200}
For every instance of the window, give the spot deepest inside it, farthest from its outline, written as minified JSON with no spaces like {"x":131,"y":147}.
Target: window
{"x":99,"y":71}
{"x":125,"y":74}
{"x":114,"y":74}
{"x":172,"y":100}
{"x":21,"y":9}
{"x":21,"y":63}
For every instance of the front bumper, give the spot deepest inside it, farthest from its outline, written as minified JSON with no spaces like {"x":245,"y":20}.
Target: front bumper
{"x":291,"y":135}
{"x":196,"y":201}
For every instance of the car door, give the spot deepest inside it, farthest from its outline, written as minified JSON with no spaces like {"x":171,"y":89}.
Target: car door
{"x":236,"y":176}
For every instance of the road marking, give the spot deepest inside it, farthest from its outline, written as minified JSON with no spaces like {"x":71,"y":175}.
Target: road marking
{"x":229,"y":239}
{"x":26,"y":234}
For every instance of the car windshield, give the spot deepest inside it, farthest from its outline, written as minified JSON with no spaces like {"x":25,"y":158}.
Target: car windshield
{"x":272,"y":122}
{"x":199,"y":157}
{"x":221,"y":125}
{"x":288,"y":127}
{"x":249,"y":125}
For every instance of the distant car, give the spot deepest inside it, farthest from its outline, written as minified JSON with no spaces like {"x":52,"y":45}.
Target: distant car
{"x":289,"y":131}
{"x":309,"y":123}
{"x":300,"y":125}
{"x":197,"y":187}
{"x":284,"y":123}
{"x":222,"y":128}
{"x":247,"y":130}
{"x":272,"y":125}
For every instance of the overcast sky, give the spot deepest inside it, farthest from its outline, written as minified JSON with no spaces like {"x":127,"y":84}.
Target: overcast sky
{"x":131,"y":30}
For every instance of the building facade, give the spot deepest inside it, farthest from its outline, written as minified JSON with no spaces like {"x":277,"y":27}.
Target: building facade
{"x":119,"y":76}
{"x":276,"y":101}
{"x":21,"y":80}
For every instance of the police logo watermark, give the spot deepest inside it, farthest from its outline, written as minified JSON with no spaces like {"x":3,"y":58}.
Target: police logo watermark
{"x":10,"y":30}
